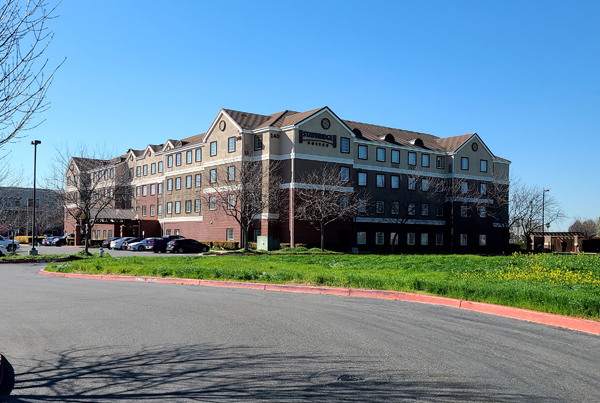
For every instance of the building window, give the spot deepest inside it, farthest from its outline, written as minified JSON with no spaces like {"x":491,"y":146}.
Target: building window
{"x":197,"y":205}
{"x":362,"y":152}
{"x":362,"y":206}
{"x":412,"y":158}
{"x":153,"y":189}
{"x":188,"y":157}
{"x":230,"y":234}
{"x":188,"y":181}
{"x":395,"y":207}
{"x":231,"y":144}
{"x":425,"y":209}
{"x":160,"y":186}
{"x":213,"y":175}
{"x":168,"y":232}
{"x":176,"y":232}
{"x":345,"y":145}
{"x":159,"y":209}
{"x":425,"y":185}
{"x":138,"y":171}
{"x":213,"y":148}
{"x":177,"y":207}
{"x":482,"y":240}
{"x":410,"y":238}
{"x":464,"y":211}
{"x":483,"y":165}
{"x":212,"y":203}
{"x":412,"y":208}
{"x":425,"y":239}
{"x":188,"y":206}
{"x":425,"y":160}
{"x":178,"y":159}
{"x":169,"y":161}
{"x":440,"y":210}
{"x":380,"y":180}
{"x":439,"y":162}
{"x":395,"y":180}
{"x":198,"y":180}
{"x":394,"y":238}
{"x":439,"y":239}
{"x":257,"y":142}
{"x":464,"y":187}
{"x":411,"y":183}
{"x":379,"y":238}
{"x":68,"y":181}
{"x":344,"y":174}
{"x":169,"y":207}
{"x":231,"y":173}
{"x":343,"y":202}
{"x":396,"y":156}
{"x":380,"y":154}
{"x":230,"y":202}
{"x":463,"y":239}
{"x":152,"y":210}
{"x":169,"y":184}
{"x":361,"y":238}
{"x":144,"y":170}
{"x":153,"y":168}
{"x":362,"y":179}
{"x":177,"y":183}
{"x":483,"y":188}
{"x":137,"y":191}
{"x":160,"y":166}
{"x":380,"y":207}
{"x":482,"y":212}
{"x":198,"y":154}
{"x":464,"y":163}
{"x":144,"y":190}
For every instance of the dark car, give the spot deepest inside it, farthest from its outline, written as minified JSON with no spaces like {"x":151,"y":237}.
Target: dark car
{"x":61,"y":240}
{"x":186,"y":245}
{"x":106,"y":243}
{"x":160,"y":244}
{"x":144,"y":244}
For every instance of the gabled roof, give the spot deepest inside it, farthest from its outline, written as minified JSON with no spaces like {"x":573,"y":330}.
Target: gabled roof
{"x":247,"y":121}
{"x":86,"y":164}
{"x":196,"y":139}
{"x":401,"y":137}
{"x":454,"y":143}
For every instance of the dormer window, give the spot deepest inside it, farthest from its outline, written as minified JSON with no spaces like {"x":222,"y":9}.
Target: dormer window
{"x":357,"y":132}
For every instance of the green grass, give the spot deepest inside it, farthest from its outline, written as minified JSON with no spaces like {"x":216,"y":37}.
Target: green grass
{"x":48,"y":257}
{"x":567,"y":285}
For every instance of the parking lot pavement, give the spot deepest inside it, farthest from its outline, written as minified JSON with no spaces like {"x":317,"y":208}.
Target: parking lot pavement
{"x":52,"y":250}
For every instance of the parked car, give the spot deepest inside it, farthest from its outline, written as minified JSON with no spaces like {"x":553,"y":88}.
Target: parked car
{"x":3,"y":251}
{"x":61,"y":240}
{"x":144,"y":244}
{"x":118,"y":243}
{"x":126,"y":244}
{"x":106,"y":243}
{"x":160,"y":245}
{"x":186,"y":245}
{"x":8,"y":244}
{"x":48,"y":240}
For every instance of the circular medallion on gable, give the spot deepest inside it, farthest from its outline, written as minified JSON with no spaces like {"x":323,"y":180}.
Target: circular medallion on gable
{"x":474,"y":146}
{"x":325,"y":123}
{"x":222,"y":125}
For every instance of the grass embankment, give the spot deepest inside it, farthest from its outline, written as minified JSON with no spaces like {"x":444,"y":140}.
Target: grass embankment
{"x":561,"y":284}
{"x":46,"y":257}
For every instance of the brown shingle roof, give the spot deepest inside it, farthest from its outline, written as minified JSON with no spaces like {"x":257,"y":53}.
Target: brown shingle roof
{"x":453,"y":143}
{"x":247,"y":121}
{"x":196,"y":139}
{"x":402,"y":137}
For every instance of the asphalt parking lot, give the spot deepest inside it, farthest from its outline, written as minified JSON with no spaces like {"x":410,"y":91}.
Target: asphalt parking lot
{"x":24,"y":250}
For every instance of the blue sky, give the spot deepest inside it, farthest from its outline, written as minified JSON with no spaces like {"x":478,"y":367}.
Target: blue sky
{"x":522,"y":74}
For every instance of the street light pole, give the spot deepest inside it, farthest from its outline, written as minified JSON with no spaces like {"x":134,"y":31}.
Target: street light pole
{"x":543,"y":217}
{"x":34,"y":143}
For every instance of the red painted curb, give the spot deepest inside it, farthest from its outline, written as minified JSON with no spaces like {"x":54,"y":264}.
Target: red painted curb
{"x":568,"y":322}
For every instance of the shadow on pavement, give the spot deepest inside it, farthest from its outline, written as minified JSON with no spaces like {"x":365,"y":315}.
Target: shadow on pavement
{"x":212,"y":373}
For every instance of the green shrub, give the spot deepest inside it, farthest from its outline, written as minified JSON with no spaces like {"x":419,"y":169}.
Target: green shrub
{"x":284,"y":245}
{"x":252,"y":245}
{"x":70,"y":241}
{"x":300,"y":245}
{"x":228,"y":245}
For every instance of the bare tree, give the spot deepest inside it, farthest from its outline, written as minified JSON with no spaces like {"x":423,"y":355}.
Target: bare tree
{"x":587,"y":228}
{"x":24,"y":37}
{"x":245,"y":192}
{"x":89,"y":183}
{"x":326,"y":195}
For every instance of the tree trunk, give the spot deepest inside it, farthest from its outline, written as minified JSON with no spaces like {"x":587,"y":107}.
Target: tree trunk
{"x":86,"y":233}
{"x":322,"y":237}
{"x":244,"y":239}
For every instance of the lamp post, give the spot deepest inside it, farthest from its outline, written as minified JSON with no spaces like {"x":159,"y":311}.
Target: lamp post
{"x":33,"y":251}
{"x":543,"y":217}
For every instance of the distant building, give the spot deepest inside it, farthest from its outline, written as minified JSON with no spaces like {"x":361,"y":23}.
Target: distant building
{"x":16,"y":211}
{"x":168,"y":182}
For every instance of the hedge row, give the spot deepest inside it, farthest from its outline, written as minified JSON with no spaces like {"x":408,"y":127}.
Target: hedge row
{"x":227,"y":245}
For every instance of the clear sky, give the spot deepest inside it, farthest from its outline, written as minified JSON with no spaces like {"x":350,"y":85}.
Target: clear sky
{"x":522,"y":74}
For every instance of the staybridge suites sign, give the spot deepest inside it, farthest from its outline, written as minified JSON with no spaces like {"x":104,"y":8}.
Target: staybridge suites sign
{"x":318,"y":139}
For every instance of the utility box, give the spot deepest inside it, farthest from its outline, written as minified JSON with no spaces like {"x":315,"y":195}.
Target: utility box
{"x":267,"y":243}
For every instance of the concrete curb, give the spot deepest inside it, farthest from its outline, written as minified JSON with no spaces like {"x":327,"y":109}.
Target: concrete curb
{"x":568,"y":322}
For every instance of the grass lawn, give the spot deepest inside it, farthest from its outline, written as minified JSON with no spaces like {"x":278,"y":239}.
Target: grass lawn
{"x":561,"y":284}
{"x":46,"y":257}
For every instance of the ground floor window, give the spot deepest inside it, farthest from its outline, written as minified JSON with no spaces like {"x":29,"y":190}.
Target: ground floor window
{"x":230,"y":234}
{"x":463,"y":239}
{"x":197,"y":205}
{"x":256,"y":235}
{"x":144,"y":211}
{"x":152,"y":211}
{"x":168,"y":232}
{"x":361,"y":238}
{"x":104,"y":234}
{"x":424,"y":239}
{"x":188,"y":206}
{"x":394,"y":238}
{"x":410,"y":238}
{"x":379,"y":238}
{"x":439,"y":239}
{"x":482,"y":240}
{"x":176,"y":232}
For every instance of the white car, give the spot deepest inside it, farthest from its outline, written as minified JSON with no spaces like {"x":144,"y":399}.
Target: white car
{"x":118,"y":243}
{"x":8,"y":244}
{"x":3,"y":251}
